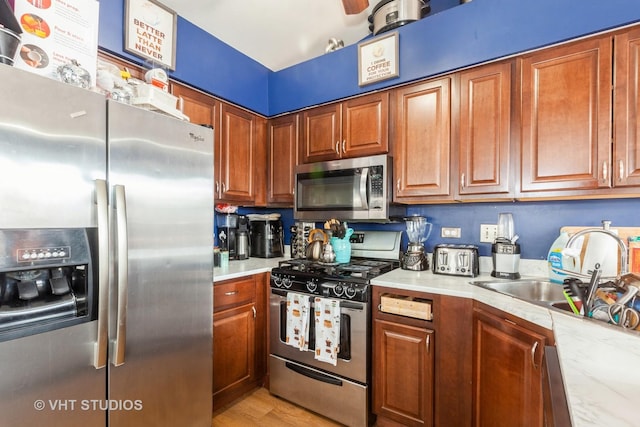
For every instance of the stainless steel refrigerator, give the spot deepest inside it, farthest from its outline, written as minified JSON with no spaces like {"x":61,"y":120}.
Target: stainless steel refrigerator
{"x":105,"y":261}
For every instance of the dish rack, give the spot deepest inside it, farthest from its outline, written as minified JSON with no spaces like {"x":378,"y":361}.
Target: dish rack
{"x":155,"y":99}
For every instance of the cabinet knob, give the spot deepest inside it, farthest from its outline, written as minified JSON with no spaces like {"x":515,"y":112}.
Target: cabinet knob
{"x":462,"y":180}
{"x":398,"y":184}
{"x":217,"y":187}
{"x":605,"y":173}
{"x":253,"y":308}
{"x":338,"y":148}
{"x":344,"y":143}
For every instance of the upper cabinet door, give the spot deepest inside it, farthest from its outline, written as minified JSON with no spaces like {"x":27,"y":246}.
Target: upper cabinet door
{"x":199,"y":107}
{"x":566,"y":118}
{"x":283,"y":137}
{"x":422,"y":134}
{"x":626,"y":165}
{"x":237,"y":154}
{"x":354,"y":128}
{"x":485,"y":130}
{"x":321,"y":138}
{"x":365,"y":125}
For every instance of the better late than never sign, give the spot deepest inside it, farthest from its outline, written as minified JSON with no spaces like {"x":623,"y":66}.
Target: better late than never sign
{"x":150,"y":32}
{"x":378,"y":59}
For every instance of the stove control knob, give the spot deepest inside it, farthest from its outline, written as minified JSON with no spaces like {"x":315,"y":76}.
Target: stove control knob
{"x":312,"y":286}
{"x":338,"y":290}
{"x":350,"y":292}
{"x":277,"y":280}
{"x":286,"y":282}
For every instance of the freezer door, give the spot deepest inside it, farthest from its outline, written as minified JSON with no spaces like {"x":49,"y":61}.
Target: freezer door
{"x":52,"y":148}
{"x":161,"y":182}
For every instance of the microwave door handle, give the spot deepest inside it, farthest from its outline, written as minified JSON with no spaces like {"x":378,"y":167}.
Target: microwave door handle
{"x":364,"y":186}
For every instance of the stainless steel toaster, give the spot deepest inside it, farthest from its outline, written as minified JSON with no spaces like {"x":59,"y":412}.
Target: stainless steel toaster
{"x":456,"y":260}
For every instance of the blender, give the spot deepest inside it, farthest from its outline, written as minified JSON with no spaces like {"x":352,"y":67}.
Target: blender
{"x":418,"y":231}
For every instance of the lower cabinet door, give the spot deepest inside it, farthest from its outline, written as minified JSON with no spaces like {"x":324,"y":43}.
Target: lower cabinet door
{"x":403,"y":373}
{"x":507,"y":373}
{"x":234,"y":355}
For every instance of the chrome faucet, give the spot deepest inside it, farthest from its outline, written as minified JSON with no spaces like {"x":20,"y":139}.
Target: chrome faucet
{"x":606,"y":225}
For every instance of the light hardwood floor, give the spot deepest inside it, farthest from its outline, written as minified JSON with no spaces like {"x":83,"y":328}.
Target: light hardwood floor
{"x":259,"y":408}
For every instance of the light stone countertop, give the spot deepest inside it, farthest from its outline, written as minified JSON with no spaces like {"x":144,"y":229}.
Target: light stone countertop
{"x":247,"y":267}
{"x":600,"y":363}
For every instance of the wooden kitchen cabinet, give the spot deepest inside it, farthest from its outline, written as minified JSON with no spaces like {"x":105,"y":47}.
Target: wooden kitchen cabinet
{"x":422,"y":135}
{"x":507,"y":369}
{"x":283,"y":141}
{"x":241,"y":157}
{"x":201,"y":108}
{"x":404,"y":372}
{"x":239,"y":337}
{"x":566,"y":119}
{"x":626,"y":162}
{"x":353,"y":128}
{"x":240,"y":150}
{"x":485,"y":157}
{"x":416,"y":380}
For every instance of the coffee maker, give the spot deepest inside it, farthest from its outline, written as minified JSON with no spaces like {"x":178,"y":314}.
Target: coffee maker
{"x":505,"y":252}
{"x":418,"y":231}
{"x":267,"y":238}
{"x":233,"y":235}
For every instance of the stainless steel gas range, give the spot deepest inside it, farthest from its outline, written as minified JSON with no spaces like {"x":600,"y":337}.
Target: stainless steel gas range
{"x":331,"y":376}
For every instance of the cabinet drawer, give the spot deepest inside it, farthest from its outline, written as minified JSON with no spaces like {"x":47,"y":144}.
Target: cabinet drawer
{"x":234,"y":293}
{"x":418,"y":308}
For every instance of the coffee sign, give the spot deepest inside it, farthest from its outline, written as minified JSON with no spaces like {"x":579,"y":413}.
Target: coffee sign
{"x":150,"y":32}
{"x":378,"y":59}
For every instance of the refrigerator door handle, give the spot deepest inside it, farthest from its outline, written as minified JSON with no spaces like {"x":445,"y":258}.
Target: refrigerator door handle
{"x":122,"y":274}
{"x":102,"y":337}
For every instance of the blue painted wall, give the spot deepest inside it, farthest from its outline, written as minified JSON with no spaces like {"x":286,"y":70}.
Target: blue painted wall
{"x":537,"y":223}
{"x":202,"y":61}
{"x":451,"y":37}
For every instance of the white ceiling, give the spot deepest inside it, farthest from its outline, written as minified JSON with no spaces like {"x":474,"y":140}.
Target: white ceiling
{"x":276,"y":33}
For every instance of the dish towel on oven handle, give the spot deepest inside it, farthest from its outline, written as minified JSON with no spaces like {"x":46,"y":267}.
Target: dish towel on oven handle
{"x":327,"y":318}
{"x":298,"y":307}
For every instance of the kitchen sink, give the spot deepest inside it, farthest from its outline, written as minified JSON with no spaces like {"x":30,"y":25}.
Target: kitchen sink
{"x":529,"y":290}
{"x":564,"y":306}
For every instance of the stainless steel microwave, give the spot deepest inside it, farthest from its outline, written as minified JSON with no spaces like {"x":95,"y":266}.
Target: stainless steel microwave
{"x":347,"y":189}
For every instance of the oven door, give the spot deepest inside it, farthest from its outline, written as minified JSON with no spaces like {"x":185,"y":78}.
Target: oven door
{"x":354,"y":342}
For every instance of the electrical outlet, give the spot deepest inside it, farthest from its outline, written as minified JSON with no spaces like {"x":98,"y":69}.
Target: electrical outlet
{"x":450,"y":232}
{"x":488,"y":232}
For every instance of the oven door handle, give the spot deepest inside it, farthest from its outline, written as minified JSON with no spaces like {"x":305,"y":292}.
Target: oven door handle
{"x":279,"y":292}
{"x":314,"y":374}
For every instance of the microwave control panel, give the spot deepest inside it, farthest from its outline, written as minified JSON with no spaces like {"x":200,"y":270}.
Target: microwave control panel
{"x":376,"y":188}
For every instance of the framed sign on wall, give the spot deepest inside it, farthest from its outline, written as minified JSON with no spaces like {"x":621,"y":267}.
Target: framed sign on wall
{"x":150,"y":32}
{"x":378,"y":59}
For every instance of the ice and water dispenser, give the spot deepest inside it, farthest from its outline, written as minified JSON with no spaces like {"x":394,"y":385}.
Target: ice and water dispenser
{"x":46,"y":280}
